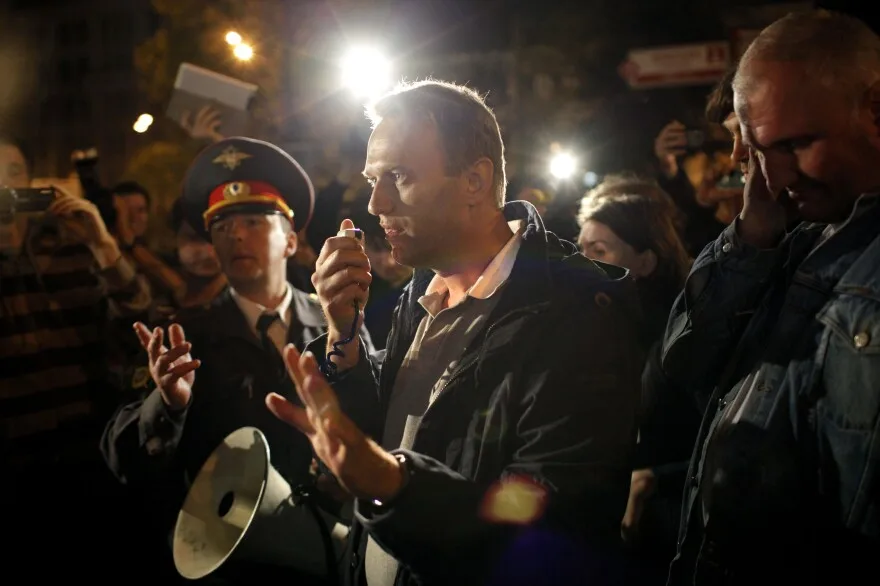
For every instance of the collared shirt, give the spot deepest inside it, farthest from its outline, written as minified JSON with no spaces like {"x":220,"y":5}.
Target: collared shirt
{"x":432,"y":358}
{"x":831,"y":229}
{"x":440,"y":338}
{"x":252,"y":312}
{"x":489,"y":281}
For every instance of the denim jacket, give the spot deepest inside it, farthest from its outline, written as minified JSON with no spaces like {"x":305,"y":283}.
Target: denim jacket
{"x":781,"y":348}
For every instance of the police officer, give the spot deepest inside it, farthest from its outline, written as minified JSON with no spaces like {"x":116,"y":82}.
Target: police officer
{"x":211,"y":369}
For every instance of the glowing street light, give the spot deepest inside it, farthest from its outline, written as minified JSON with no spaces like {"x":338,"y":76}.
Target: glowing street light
{"x":243,"y":52}
{"x":366,"y":72}
{"x":142,"y":124}
{"x":233,"y":38}
{"x":563,"y":165}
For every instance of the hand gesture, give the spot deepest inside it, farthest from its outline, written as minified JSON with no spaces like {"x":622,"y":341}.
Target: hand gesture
{"x":173,"y":370}
{"x":205,"y":126}
{"x":362,"y":467}
{"x":670,"y":144}
{"x":342,"y":276}
{"x":81,"y":217}
{"x":643,"y":485}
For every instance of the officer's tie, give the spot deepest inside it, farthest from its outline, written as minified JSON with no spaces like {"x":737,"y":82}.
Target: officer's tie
{"x":263,"y":324}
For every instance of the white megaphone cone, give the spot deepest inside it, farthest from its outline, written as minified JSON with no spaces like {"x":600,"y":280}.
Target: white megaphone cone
{"x":239,"y":507}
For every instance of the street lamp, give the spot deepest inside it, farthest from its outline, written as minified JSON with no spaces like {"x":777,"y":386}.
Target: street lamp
{"x":243,"y":52}
{"x":365,"y":71}
{"x":233,"y":38}
{"x":563,"y":165}
{"x":142,"y":124}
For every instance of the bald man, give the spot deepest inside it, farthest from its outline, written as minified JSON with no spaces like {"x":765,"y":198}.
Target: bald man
{"x":778,"y":333}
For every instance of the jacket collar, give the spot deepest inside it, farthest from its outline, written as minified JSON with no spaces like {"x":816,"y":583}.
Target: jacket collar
{"x":307,"y":309}
{"x":532,"y":271}
{"x":228,"y":320}
{"x":253,"y":310}
{"x":536,"y":277}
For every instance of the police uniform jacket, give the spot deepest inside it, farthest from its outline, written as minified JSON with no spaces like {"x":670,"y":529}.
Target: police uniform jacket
{"x":146,"y":442}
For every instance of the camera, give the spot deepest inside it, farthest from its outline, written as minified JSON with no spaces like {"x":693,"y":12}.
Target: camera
{"x":28,"y":199}
{"x":695,"y":139}
{"x":86,"y":163}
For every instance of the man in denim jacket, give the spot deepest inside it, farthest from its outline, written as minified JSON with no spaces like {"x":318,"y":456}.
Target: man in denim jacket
{"x":777,"y":333}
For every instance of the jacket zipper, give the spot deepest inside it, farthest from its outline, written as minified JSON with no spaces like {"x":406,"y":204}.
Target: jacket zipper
{"x":461,"y":368}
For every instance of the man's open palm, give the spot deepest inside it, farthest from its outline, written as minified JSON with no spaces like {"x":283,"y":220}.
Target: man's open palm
{"x":361,"y":466}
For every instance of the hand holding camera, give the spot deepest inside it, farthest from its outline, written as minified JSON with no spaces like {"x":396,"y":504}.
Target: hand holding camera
{"x":83,"y":220}
{"x":670,"y":144}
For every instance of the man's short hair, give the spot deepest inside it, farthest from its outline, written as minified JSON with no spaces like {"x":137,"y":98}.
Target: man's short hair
{"x":838,"y":50}
{"x":467,"y":127}
{"x":131,"y":188}
{"x":720,"y":103}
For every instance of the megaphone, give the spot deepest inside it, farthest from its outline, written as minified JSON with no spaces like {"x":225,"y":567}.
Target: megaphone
{"x":240,"y":508}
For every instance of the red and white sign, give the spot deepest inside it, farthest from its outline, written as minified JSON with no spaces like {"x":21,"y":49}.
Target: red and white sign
{"x":675,"y":65}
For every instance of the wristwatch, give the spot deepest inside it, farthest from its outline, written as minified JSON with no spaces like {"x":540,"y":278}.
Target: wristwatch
{"x":406,"y":470}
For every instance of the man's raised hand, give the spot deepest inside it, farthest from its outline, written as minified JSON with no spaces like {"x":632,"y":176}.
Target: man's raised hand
{"x":173,"y":370}
{"x":362,"y":467}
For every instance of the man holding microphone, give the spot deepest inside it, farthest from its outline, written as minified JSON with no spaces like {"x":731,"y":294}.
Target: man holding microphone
{"x":507,"y":396}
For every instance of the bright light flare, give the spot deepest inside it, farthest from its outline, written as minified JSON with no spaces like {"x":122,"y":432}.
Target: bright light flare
{"x":142,"y":124}
{"x":243,"y":52}
{"x":366,"y":72}
{"x":514,"y":500}
{"x":563,"y":165}
{"x":233,"y":38}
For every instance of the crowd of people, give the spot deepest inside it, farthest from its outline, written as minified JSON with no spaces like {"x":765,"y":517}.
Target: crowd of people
{"x":678,"y":384}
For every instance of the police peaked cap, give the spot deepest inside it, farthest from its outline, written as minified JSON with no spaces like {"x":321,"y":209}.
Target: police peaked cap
{"x":245,"y":175}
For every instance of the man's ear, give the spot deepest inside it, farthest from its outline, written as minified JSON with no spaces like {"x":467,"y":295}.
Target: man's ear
{"x":479,"y":180}
{"x":292,"y":243}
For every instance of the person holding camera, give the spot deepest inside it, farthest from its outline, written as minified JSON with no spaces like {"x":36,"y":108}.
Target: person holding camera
{"x":676,"y":148}
{"x":63,"y":281}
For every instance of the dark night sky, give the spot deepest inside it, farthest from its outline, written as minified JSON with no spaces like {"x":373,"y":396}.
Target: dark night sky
{"x":469,"y":25}
{"x":419,"y":29}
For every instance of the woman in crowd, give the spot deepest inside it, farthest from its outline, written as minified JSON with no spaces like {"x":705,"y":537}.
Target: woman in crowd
{"x":631,"y":222}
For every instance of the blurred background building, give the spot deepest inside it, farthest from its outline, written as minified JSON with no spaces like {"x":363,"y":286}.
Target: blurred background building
{"x":568,"y":75}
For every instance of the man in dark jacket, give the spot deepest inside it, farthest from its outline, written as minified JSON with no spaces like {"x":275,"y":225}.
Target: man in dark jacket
{"x":777,"y":332}
{"x":251,"y":197}
{"x":507,"y":396}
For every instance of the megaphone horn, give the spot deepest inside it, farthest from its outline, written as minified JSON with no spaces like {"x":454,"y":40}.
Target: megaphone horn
{"x":240,"y":508}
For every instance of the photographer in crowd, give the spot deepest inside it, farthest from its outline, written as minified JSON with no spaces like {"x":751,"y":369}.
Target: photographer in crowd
{"x":63,"y":280}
